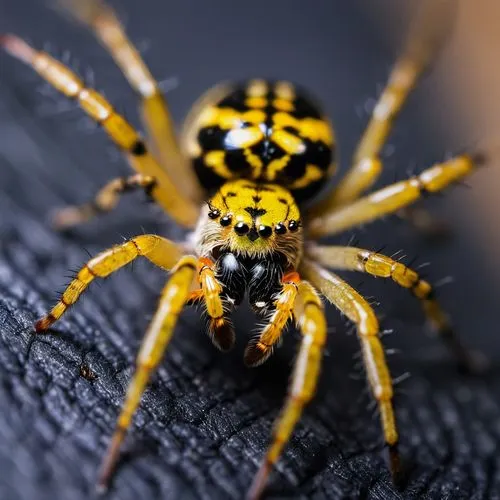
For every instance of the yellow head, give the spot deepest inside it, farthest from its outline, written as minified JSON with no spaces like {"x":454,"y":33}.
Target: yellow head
{"x":252,"y":219}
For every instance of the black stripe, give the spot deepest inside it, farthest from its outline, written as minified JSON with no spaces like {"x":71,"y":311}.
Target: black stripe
{"x":312,"y":303}
{"x":235,"y":100}
{"x":190,"y":265}
{"x":255,"y":212}
{"x":212,"y":138}
{"x":139,"y":148}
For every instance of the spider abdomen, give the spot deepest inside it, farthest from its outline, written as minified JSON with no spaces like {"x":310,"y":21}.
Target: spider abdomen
{"x":262,"y":131}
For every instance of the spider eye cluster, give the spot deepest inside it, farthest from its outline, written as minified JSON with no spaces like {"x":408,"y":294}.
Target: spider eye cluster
{"x":242,"y":228}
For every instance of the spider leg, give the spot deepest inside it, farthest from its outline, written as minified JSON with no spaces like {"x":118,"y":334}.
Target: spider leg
{"x":260,"y":348}
{"x":177,"y":205}
{"x":357,"y":309}
{"x":158,"y":250}
{"x":427,"y":34}
{"x":308,"y":312}
{"x":219,"y":327}
{"x":392,"y":198}
{"x":104,"y":23}
{"x":357,"y":259}
{"x":153,"y":347}
{"x":106,"y":200}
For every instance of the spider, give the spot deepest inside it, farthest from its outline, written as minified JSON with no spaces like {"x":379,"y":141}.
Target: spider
{"x":257,"y":151}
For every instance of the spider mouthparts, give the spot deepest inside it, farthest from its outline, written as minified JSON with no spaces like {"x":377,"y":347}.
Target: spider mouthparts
{"x":222,"y":333}
{"x":256,"y":353}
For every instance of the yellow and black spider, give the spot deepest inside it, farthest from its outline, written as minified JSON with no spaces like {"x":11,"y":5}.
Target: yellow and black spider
{"x":257,"y":150}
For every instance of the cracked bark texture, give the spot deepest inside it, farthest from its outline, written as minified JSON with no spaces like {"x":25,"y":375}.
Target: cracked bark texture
{"x":205,"y":421}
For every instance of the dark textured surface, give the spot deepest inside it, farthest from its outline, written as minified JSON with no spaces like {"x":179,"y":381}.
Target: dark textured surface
{"x":205,"y":421}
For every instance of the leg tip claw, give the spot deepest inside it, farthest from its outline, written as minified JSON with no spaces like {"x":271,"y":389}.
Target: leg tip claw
{"x":398,"y":473}
{"x":17,"y":47}
{"x":42,"y":325}
{"x":259,"y":482}
{"x":65,"y":219}
{"x":101,"y":488}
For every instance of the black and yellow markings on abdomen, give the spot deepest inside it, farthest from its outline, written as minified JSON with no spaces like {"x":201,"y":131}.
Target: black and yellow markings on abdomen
{"x":264,"y":131}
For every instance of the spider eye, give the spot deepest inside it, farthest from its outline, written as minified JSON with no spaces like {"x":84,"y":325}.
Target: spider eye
{"x":280,"y":228}
{"x":241,"y":228}
{"x":214,"y":213}
{"x":265,"y":231}
{"x":226,"y":220}
{"x":293,"y":225}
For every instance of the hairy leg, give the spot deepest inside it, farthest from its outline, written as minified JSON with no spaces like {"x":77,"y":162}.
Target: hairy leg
{"x":153,"y":347}
{"x":357,"y":259}
{"x":357,"y":309}
{"x":260,"y":348}
{"x":106,"y":200}
{"x":220,"y":327}
{"x":177,"y":205}
{"x":392,"y":198}
{"x":160,"y":251}
{"x":104,"y":23}
{"x":308,"y":312}
{"x":427,"y":34}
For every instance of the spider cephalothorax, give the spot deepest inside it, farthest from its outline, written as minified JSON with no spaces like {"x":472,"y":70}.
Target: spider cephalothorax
{"x":252,"y":219}
{"x":262,"y":147}
{"x":250,"y":235}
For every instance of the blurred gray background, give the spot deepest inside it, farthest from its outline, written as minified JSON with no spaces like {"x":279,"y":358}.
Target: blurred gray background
{"x":206,"y":420}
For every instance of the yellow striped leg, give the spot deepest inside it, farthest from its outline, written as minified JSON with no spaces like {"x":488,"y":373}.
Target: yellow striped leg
{"x":355,"y":307}
{"x":158,"y":250}
{"x":153,"y":347}
{"x":427,"y":34}
{"x":260,"y":348}
{"x":104,"y":23}
{"x":105,"y":201}
{"x":357,"y":259}
{"x":178,"y":206}
{"x":308,"y":312}
{"x":220,"y":328}
{"x":392,"y":198}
